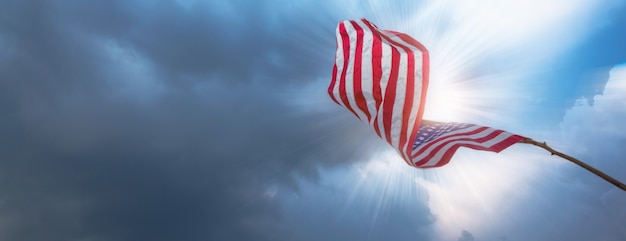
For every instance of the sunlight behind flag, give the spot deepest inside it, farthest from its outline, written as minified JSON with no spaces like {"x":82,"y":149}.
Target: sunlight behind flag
{"x":381,"y":76}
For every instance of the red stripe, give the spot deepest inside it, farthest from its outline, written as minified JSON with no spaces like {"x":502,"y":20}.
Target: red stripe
{"x":331,"y":87}
{"x":332,"y":84}
{"x":358,"y":92}
{"x":425,"y":73}
{"x":377,"y":72}
{"x":390,"y":93}
{"x":443,"y":138}
{"x":434,"y":152}
{"x":386,"y":115}
{"x":498,"y":147}
{"x":377,"y":68}
{"x":490,"y":136}
{"x":345,"y":39}
{"x":410,"y":94}
{"x":376,"y":127}
{"x":447,"y":155}
{"x":408,"y":101}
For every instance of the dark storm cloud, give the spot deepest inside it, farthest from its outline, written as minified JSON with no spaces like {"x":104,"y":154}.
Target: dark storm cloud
{"x":205,"y":38}
{"x":80,"y":159}
{"x":175,"y":169}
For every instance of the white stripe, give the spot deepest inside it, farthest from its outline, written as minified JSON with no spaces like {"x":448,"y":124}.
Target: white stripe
{"x":396,"y":38}
{"x":499,"y":138}
{"x":367,"y":80}
{"x":444,"y":137}
{"x":398,"y":106}
{"x":352,"y":33}
{"x":339,"y":63}
{"x":417,"y":88}
{"x":386,"y":70}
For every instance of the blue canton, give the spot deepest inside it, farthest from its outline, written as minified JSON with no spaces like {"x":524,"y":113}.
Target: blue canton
{"x":430,"y":132}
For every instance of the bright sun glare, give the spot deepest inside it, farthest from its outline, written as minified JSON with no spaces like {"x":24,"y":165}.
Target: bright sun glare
{"x":476,"y":59}
{"x":444,"y":98}
{"x":461,"y":36}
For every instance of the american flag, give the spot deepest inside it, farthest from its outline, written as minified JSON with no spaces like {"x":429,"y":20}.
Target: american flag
{"x":436,"y":142}
{"x":381,"y":77}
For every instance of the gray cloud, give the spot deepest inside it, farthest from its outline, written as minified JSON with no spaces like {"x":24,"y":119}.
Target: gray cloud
{"x":466,"y":236}
{"x":136,"y":120}
{"x":177,"y":167}
{"x":127,"y":120}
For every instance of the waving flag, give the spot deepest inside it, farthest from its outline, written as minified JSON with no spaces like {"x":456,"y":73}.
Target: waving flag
{"x":437,"y":142}
{"x":381,"y":76}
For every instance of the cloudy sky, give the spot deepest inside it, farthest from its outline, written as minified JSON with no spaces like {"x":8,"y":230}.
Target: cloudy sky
{"x":208,"y":120}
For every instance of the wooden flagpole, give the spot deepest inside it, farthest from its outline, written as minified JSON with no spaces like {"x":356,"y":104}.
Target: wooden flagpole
{"x":608,"y":178}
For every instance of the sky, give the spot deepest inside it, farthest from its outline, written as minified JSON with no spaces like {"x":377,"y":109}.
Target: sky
{"x":209,"y":120}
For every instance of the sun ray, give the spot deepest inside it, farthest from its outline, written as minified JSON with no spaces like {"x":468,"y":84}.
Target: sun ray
{"x":480,"y":72}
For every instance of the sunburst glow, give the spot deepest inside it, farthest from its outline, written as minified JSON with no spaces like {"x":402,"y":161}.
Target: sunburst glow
{"x":477,"y":62}
{"x":481,"y":54}
{"x":445,"y":95}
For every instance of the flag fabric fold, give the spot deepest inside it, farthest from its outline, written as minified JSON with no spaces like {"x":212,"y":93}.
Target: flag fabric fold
{"x":438,"y":141}
{"x":381,"y":77}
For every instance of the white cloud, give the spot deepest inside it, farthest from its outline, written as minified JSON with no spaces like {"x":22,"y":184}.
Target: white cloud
{"x":597,"y":131}
{"x":488,"y":52}
{"x":475,"y":190}
{"x":561,"y":201}
{"x":597,"y":134}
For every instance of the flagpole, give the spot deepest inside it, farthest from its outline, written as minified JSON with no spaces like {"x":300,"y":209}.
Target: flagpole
{"x":604,"y":176}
